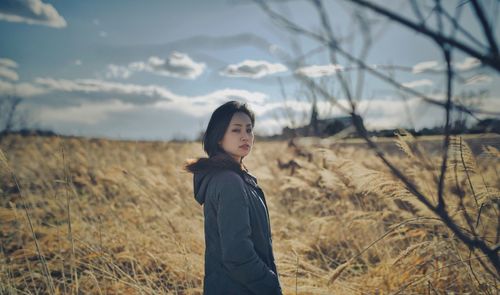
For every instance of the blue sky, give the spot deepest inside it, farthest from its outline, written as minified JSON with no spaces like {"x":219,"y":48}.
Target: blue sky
{"x":157,"y":69}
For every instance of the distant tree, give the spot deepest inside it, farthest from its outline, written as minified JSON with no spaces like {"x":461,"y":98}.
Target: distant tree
{"x":8,"y":107}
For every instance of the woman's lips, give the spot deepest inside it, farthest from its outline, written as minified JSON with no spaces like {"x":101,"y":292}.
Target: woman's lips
{"x":245,"y":147}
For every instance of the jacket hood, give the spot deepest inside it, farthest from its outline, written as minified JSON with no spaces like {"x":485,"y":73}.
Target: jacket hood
{"x":200,"y":184}
{"x":204,"y":169}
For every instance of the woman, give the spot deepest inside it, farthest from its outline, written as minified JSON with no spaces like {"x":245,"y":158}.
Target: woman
{"x":238,"y":247}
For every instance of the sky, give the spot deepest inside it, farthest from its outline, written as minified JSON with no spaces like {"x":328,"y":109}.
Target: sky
{"x":156,"y":69}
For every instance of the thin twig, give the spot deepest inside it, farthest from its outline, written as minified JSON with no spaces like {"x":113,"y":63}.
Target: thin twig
{"x":487,"y":29}
{"x":449,"y":76}
{"x":492,"y":60}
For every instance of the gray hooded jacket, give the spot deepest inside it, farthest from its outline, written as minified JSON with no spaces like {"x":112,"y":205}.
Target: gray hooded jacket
{"x":238,"y":246}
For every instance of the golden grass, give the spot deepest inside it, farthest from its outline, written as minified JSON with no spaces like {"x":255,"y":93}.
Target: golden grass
{"x":115,"y":217}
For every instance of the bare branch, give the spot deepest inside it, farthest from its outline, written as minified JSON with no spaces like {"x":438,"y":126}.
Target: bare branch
{"x":459,"y":28}
{"x":487,"y":30}
{"x":492,"y":59}
{"x":296,"y":28}
{"x":416,"y":10}
{"x":333,"y":45}
{"x":470,"y":239}
{"x":449,"y":76}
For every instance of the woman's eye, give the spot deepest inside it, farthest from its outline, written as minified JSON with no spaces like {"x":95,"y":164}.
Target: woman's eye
{"x":236,"y":130}
{"x":249,"y":130}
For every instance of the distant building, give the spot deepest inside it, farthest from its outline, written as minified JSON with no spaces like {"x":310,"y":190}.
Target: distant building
{"x":319,"y":127}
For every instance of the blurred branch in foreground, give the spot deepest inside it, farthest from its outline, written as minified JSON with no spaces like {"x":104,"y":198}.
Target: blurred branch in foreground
{"x":486,"y":54}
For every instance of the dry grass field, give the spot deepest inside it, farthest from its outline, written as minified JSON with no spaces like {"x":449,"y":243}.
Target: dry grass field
{"x":114,"y":217}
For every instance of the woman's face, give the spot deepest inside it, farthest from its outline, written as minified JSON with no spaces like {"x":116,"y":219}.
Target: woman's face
{"x":238,"y":139}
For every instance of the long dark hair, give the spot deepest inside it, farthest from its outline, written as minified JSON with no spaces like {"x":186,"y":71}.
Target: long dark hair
{"x":217,"y":126}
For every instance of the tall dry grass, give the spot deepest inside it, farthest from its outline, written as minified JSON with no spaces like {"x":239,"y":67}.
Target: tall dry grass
{"x":110,"y":217}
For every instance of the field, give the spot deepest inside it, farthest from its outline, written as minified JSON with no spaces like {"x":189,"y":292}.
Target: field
{"x":81,"y":216}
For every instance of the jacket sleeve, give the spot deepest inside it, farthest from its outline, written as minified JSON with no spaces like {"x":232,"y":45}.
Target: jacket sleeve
{"x":238,"y":253}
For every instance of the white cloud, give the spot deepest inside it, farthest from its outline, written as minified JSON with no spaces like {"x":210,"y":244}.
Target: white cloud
{"x":232,"y":94}
{"x":386,"y":113}
{"x":319,"y":71}
{"x":115,"y":98}
{"x":78,"y":62}
{"x":105,"y":87}
{"x":8,"y":63}
{"x":115,"y":71}
{"x":31,"y":12}
{"x":254,"y":69}
{"x":378,"y":113}
{"x":467,"y":64}
{"x":89,"y":113}
{"x":203,"y":105}
{"x":103,"y":34}
{"x":8,"y":74}
{"x":418,"y":83}
{"x":478,"y":79}
{"x":23,"y":90}
{"x":381,"y":113}
{"x":424,"y":66}
{"x":268,"y":126}
{"x":7,"y":71}
{"x":178,"y":65}
{"x":157,"y":96}
{"x":99,"y":99}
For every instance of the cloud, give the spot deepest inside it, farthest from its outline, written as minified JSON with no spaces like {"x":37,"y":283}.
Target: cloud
{"x":272,"y":116}
{"x":254,"y":69}
{"x":8,"y":74}
{"x":23,"y":90}
{"x":227,"y":94}
{"x":424,"y":66}
{"x":418,"y":83}
{"x":103,"y":34}
{"x":178,"y":65}
{"x":467,"y":64}
{"x":109,"y":98}
{"x":380,"y":113}
{"x":78,"y":62}
{"x":7,"y":71}
{"x":478,"y":79}
{"x":203,"y":105}
{"x":8,"y":63}
{"x":31,"y":12}
{"x":268,"y":126}
{"x":134,"y":93}
{"x":71,"y":92}
{"x":319,"y":71}
{"x":88,"y":101}
{"x":88,"y":113}
{"x":115,"y":71}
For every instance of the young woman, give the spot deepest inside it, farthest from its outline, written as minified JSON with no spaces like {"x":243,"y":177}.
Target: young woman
{"x":238,"y":246}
